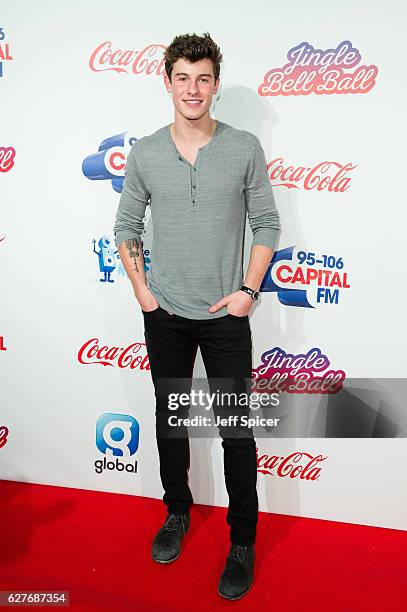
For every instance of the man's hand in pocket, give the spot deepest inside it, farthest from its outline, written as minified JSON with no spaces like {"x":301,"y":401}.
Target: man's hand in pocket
{"x":147,"y":300}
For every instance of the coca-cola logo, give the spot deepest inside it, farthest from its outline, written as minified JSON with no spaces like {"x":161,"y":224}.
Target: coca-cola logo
{"x":296,"y":465}
{"x":148,"y":61}
{"x":326,"y":175}
{"x":132,"y":356}
{"x":320,"y":72}
{"x":7,"y":155}
{"x":3,"y":435}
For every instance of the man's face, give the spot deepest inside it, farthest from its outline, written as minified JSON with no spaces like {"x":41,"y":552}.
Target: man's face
{"x":192,"y":81}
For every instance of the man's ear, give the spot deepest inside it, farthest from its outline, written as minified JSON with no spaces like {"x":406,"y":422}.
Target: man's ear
{"x":167,"y":83}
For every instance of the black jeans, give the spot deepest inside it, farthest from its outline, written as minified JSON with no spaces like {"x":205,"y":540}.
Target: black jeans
{"x":226,"y":348}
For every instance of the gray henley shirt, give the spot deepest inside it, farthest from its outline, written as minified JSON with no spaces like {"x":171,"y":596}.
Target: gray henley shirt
{"x":198,"y":213}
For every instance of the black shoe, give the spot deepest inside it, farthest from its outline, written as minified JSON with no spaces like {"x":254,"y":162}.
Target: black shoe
{"x":237,"y":576}
{"x":167,"y":542}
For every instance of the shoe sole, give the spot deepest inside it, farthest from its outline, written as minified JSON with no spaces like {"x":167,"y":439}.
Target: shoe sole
{"x":166,"y":561}
{"x":237,"y":597}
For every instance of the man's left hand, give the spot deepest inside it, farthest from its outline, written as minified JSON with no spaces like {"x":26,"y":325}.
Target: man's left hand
{"x":237,"y":303}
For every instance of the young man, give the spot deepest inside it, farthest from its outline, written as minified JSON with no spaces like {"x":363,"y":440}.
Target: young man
{"x":201,"y":177}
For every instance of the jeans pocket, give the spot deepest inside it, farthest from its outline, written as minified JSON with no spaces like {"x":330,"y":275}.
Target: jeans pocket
{"x":149,"y":312}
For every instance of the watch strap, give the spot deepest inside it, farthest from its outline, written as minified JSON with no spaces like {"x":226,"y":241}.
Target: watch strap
{"x":252,"y":292}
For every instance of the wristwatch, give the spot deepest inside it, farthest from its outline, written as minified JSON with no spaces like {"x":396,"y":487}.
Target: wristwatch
{"x":253,"y":294}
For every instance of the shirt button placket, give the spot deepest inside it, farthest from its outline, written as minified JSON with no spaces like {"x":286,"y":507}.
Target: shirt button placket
{"x":193,"y":188}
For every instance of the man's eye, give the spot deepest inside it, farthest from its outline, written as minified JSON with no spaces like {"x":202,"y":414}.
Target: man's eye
{"x":183,"y":79}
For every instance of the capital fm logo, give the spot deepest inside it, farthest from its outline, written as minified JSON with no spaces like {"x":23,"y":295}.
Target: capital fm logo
{"x":302,"y":465}
{"x":5,"y":54}
{"x":4,"y":431}
{"x":109,"y":163}
{"x":149,"y":61}
{"x":117,"y":438}
{"x":321,"y":72}
{"x":306,"y":279}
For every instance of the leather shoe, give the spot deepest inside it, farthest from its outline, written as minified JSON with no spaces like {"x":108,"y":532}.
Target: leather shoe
{"x":237,"y":575}
{"x":167,"y":542}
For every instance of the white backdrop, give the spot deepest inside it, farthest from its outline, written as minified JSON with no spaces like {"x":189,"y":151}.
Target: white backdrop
{"x":60,"y":102}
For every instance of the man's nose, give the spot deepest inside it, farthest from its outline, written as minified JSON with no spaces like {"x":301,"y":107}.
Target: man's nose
{"x":193,"y":87}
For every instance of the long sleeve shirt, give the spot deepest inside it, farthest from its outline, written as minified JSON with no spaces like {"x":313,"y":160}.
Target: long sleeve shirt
{"x":198,"y":213}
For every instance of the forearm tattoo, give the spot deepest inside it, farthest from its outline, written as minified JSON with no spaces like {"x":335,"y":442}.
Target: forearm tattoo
{"x":133,"y":248}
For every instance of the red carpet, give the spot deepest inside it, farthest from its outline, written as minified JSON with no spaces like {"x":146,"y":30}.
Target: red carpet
{"x":97,"y":546}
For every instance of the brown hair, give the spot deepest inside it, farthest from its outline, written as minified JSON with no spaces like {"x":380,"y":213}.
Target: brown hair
{"x":193,"y":48}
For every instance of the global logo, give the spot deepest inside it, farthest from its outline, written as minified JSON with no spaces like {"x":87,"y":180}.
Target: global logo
{"x":109,"y":163}
{"x":305,"y":278}
{"x":117,"y":438}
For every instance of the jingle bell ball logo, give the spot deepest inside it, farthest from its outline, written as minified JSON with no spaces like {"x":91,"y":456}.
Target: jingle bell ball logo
{"x":306,"y":279}
{"x":318,"y":71}
{"x":109,"y":163}
{"x":304,"y":373}
{"x":117,"y":438}
{"x":7,"y":155}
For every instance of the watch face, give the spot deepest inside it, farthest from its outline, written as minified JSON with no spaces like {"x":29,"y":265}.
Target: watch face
{"x":255,"y":295}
